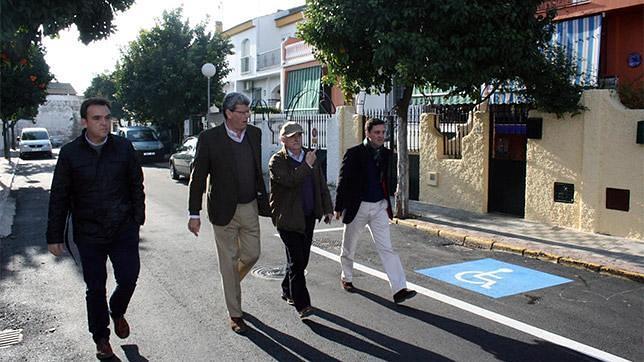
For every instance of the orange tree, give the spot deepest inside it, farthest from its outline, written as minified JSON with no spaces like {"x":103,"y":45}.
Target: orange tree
{"x":449,"y":44}
{"x":24,"y":72}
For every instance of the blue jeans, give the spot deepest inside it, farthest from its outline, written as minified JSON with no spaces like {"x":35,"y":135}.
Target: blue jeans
{"x":123,"y":251}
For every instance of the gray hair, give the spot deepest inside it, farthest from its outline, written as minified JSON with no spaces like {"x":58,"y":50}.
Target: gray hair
{"x":232,"y":99}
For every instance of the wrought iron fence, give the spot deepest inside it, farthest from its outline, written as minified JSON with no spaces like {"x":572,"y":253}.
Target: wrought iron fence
{"x":452,"y":122}
{"x":413,"y":126}
{"x":313,"y":125}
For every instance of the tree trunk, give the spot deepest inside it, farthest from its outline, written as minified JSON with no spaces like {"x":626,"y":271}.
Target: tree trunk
{"x":402,"y":187}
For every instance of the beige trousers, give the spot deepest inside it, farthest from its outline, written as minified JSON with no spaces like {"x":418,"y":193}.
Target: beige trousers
{"x":237,"y":250}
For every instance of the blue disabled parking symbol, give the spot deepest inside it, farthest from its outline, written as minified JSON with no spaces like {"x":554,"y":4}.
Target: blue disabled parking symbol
{"x":493,"y":278}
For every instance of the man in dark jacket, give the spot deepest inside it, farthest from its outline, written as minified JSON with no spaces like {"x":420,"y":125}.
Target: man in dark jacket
{"x":362,"y":199}
{"x":230,"y":157}
{"x":299,"y":196}
{"x":99,"y":183}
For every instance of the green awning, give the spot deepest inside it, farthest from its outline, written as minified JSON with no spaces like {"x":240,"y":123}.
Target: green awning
{"x":303,"y":89}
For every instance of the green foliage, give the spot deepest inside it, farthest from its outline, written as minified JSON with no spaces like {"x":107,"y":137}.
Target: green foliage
{"x":632,"y":94}
{"x":93,"y":18}
{"x":25,"y":76}
{"x":24,"y":73}
{"x":450,"y":44}
{"x":159,"y":76}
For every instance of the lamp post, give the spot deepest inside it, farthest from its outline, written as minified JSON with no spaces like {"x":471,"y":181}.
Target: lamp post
{"x":208,"y":70}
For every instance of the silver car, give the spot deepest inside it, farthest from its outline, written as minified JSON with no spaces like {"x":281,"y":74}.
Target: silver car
{"x":34,"y":141}
{"x":181,"y":161}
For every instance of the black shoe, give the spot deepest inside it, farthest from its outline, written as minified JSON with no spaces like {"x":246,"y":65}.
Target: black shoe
{"x":103,"y":349}
{"x":307,"y":311}
{"x":238,"y":325}
{"x":404,"y":294}
{"x":348,"y":286}
{"x":288,"y":300}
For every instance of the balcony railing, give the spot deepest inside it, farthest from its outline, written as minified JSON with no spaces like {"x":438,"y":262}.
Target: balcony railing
{"x":268,"y":59}
{"x":297,"y":50}
{"x":559,"y":4}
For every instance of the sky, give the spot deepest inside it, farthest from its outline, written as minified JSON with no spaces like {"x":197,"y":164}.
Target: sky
{"x":71,"y":61}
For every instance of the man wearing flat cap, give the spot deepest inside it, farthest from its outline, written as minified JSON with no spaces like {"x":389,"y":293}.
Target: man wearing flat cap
{"x":299,"y":196}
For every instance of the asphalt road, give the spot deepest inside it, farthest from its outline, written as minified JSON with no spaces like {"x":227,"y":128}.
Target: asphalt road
{"x":178,"y":313}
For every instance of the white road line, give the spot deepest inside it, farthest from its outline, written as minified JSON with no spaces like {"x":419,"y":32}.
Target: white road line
{"x":321,"y":230}
{"x":512,"y":323}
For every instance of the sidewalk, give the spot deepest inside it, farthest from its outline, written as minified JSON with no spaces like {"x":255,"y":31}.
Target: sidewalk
{"x":7,"y":204}
{"x":601,"y":253}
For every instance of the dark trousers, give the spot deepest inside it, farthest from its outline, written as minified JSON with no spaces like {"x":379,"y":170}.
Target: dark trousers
{"x":123,"y":252}
{"x":298,"y":249}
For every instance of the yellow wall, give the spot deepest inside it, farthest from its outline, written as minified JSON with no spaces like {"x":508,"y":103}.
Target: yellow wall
{"x":593,"y":150}
{"x":462,"y":183}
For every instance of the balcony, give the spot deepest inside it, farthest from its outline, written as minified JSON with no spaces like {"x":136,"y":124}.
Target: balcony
{"x":269,"y":59}
{"x":560,"y":4}
{"x":297,"y":50}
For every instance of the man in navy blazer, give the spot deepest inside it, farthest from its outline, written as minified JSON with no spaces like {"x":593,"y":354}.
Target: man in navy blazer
{"x":362,"y":199}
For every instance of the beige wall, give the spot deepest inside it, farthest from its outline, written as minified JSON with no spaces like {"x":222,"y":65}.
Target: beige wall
{"x":462,"y":183}
{"x":593,"y":150}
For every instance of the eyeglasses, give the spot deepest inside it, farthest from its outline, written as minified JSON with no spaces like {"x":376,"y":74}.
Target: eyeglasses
{"x":242,"y":112}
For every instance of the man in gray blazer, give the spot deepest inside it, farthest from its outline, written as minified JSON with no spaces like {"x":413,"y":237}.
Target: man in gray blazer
{"x":231,"y":155}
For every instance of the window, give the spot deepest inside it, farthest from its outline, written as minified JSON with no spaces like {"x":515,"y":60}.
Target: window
{"x":245,"y":56}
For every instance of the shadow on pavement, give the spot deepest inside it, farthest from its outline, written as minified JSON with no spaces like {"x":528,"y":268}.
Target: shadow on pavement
{"x":132,"y":353}
{"x":503,"y":348}
{"x":279,"y":345}
{"x":396,"y":350}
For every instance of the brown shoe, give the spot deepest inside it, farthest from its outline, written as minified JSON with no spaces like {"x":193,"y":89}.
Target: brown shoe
{"x":103,"y":349}
{"x":121,"y":328}
{"x":348,"y":286}
{"x":238,"y":325}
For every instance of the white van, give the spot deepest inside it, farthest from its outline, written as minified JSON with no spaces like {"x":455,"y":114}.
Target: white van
{"x":34,"y":141}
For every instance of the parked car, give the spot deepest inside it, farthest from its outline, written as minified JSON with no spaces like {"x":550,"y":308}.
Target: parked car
{"x":57,"y":141}
{"x":145,"y":141}
{"x":181,"y":161}
{"x":34,"y":141}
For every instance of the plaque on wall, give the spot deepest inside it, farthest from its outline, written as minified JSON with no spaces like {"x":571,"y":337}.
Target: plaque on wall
{"x":564,"y":192}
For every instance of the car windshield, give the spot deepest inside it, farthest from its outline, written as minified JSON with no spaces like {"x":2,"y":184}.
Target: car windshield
{"x":140,"y":135}
{"x":35,"y":135}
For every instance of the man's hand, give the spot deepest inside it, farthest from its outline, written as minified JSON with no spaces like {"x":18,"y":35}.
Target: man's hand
{"x":310,"y":158}
{"x":56,"y":249}
{"x":194,"y":225}
{"x":338,"y":215}
{"x":328,"y":218}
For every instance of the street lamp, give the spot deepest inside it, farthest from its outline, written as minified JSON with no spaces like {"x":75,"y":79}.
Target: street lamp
{"x":208,"y":70}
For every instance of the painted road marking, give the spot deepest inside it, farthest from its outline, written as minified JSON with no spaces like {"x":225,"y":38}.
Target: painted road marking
{"x":321,"y":230}
{"x":495,"y":317}
{"x":493,"y":278}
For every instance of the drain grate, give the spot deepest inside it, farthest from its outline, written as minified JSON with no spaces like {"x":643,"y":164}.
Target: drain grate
{"x":10,"y":337}
{"x":270,"y":272}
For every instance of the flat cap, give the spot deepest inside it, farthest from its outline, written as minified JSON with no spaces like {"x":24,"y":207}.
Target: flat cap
{"x":290,"y":128}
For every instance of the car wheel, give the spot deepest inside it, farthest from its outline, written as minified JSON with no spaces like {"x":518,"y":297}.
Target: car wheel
{"x":173,"y":172}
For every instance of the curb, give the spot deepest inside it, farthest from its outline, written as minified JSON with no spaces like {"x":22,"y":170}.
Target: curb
{"x":461,"y":238}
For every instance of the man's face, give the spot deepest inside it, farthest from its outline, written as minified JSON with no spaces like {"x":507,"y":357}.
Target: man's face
{"x":237,"y":120}
{"x":98,"y":122}
{"x":293,"y":143}
{"x":377,"y":135}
